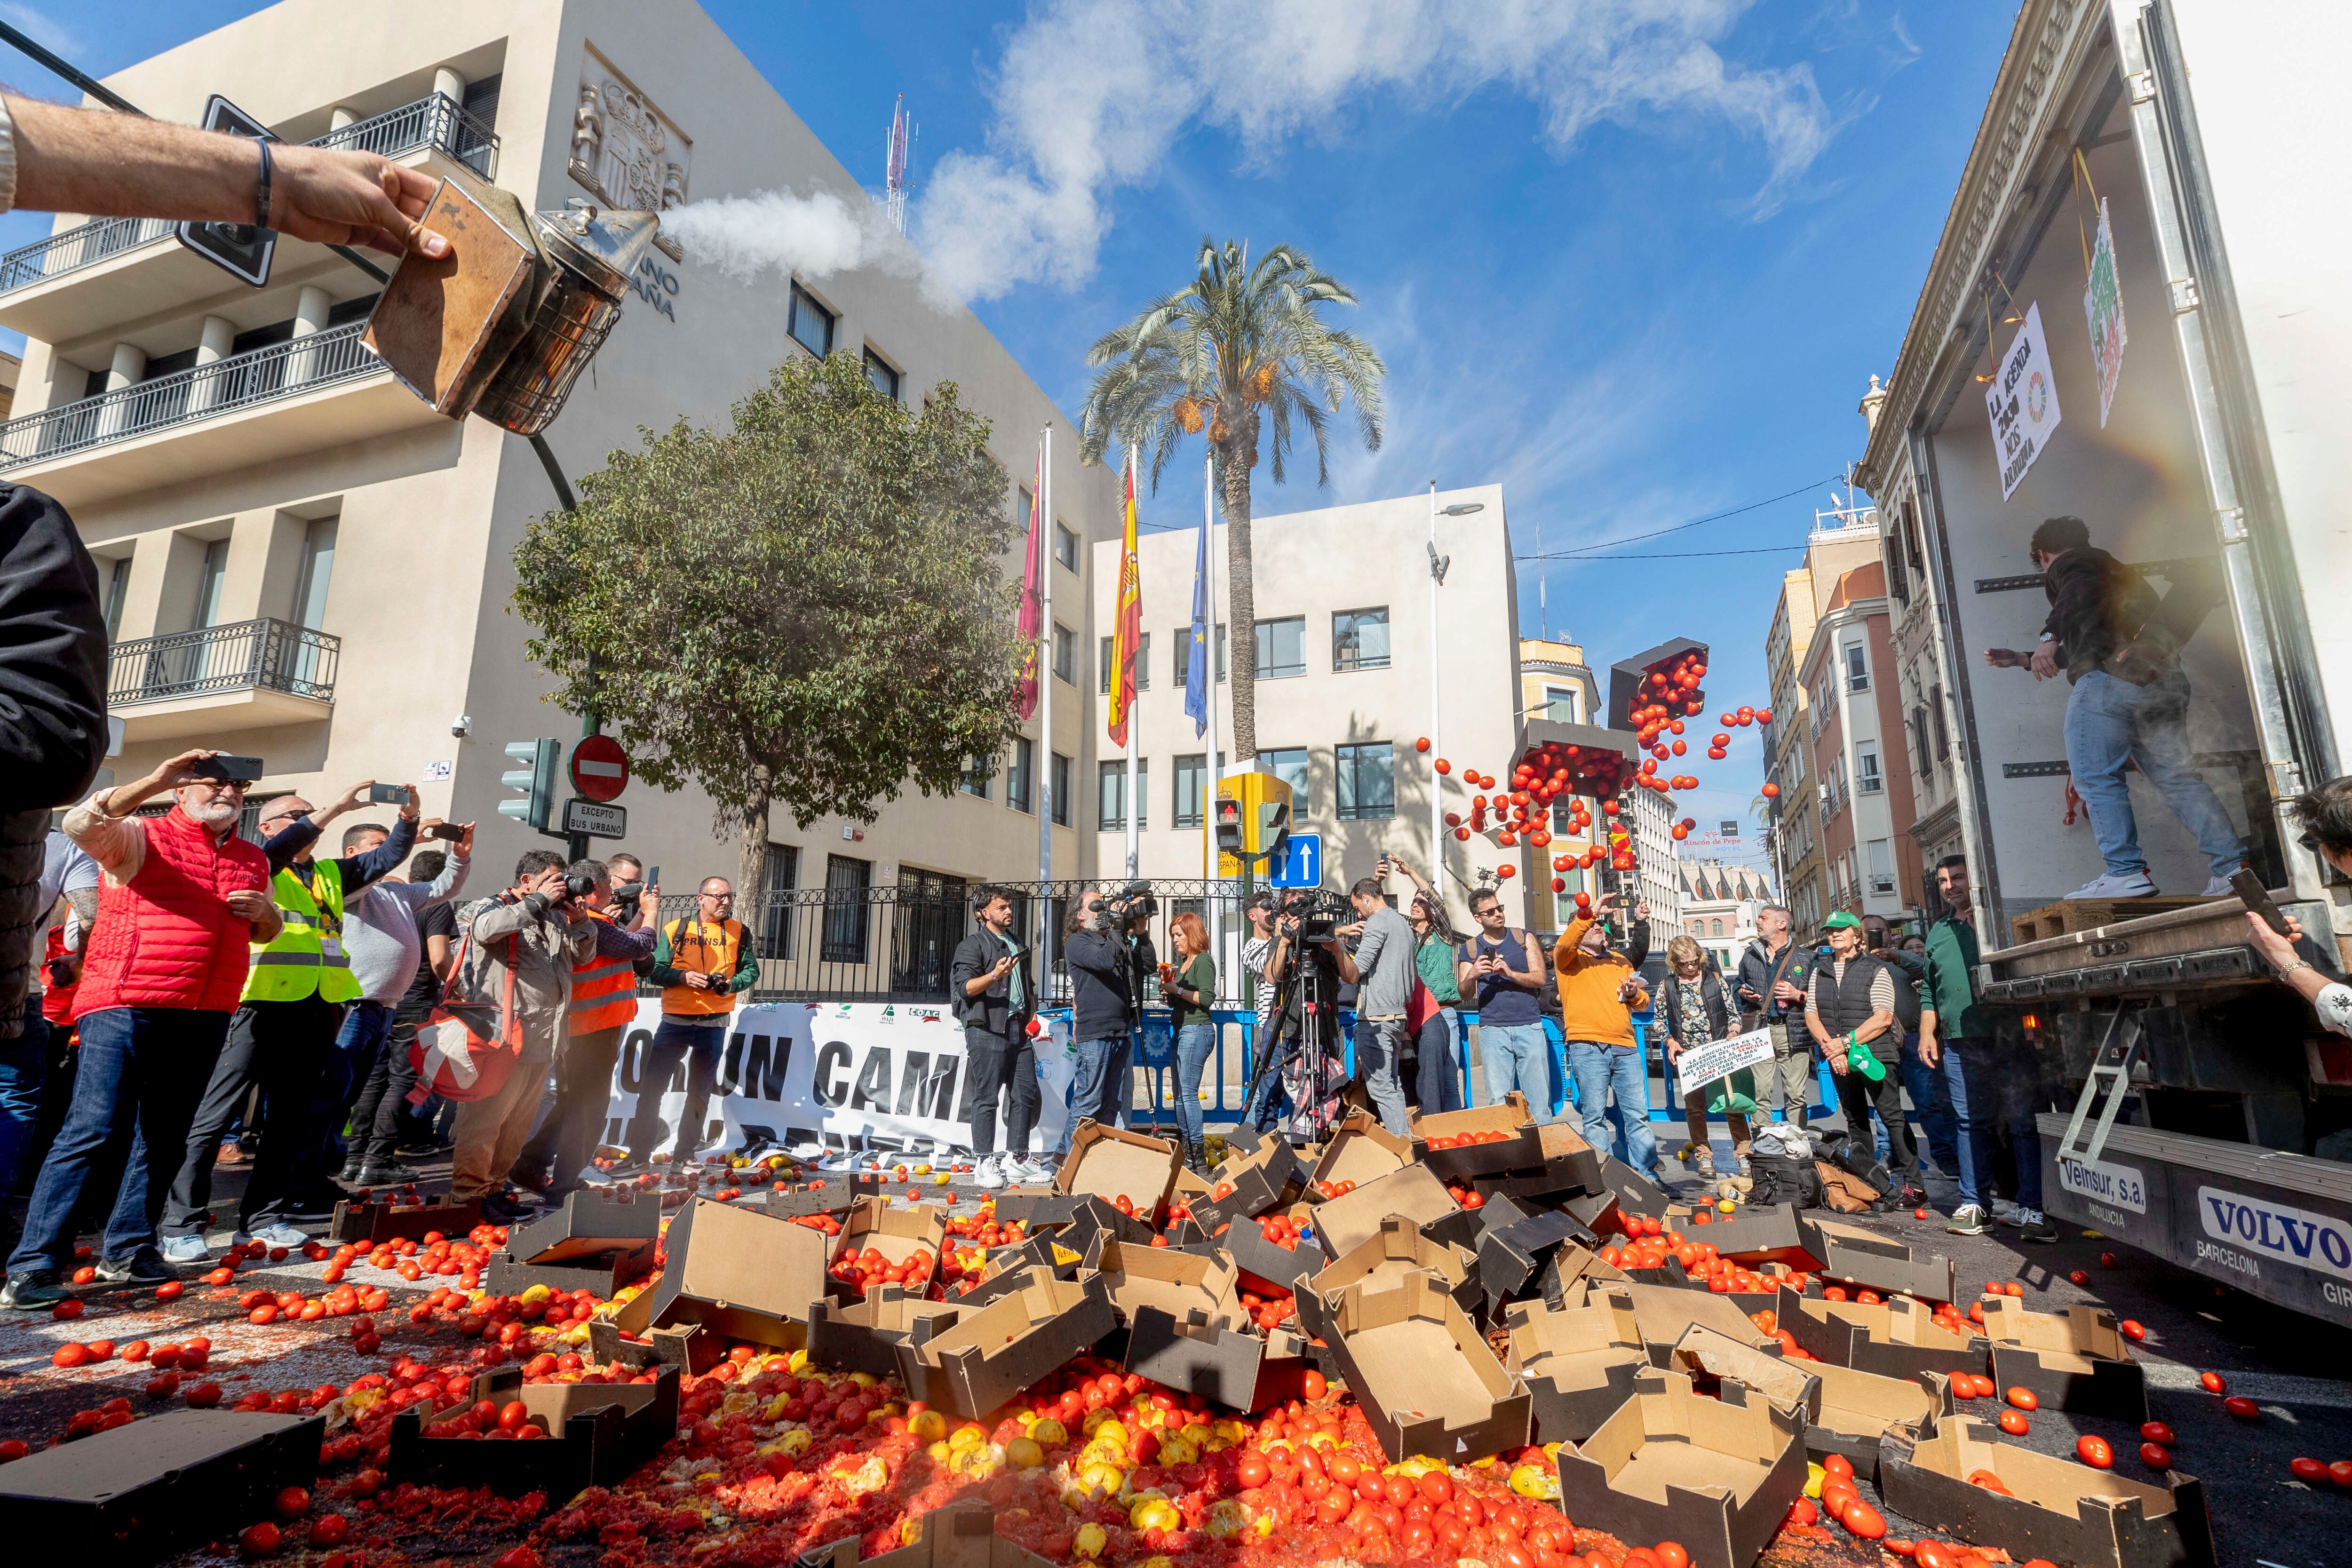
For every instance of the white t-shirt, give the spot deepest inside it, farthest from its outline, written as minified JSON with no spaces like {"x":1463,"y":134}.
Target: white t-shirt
{"x":64,"y":870}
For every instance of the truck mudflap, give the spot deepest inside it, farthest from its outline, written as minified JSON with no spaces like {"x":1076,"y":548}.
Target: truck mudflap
{"x":2274,"y":1225}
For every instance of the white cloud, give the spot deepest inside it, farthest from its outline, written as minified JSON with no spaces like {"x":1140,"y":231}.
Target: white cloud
{"x":1090,"y":96}
{"x":44,"y":28}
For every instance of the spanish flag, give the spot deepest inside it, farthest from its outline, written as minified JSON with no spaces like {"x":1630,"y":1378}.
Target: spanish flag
{"x":1127,"y":634}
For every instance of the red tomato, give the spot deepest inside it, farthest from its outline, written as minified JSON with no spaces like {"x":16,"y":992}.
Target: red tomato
{"x":1312,"y":1387}
{"x":261,"y":1540}
{"x":2340,"y":1472}
{"x":1671,"y":1555}
{"x":2308,"y":1470}
{"x":2096,"y":1452}
{"x":2131,"y":1329}
{"x":1838,"y":1465}
{"x":293,"y":1503}
{"x":1864,"y":1521}
{"x":2024,"y":1399}
{"x":2243,"y":1408}
{"x":2158,"y":1432}
{"x":2014,"y":1423}
{"x":2155,"y":1456}
{"x":2213,"y":1382}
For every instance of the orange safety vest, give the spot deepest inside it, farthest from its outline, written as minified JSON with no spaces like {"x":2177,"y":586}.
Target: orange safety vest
{"x":603,"y":990}
{"x":694,"y":944}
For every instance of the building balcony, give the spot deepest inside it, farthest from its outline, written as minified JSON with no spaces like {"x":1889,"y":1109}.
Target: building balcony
{"x":309,"y":393}
{"x":114,"y":269}
{"x":218,"y":679}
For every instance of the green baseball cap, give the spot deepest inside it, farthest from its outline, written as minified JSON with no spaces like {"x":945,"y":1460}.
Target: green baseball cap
{"x":1843,"y":920}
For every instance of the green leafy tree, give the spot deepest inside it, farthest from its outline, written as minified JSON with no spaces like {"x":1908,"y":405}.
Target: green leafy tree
{"x":807,"y":608}
{"x":1244,"y":350}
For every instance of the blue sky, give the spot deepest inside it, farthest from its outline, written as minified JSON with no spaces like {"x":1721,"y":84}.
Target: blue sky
{"x":1636,"y":272}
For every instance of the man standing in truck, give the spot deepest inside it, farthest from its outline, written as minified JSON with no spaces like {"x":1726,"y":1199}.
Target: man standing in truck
{"x":1989,"y":1081}
{"x":2130,"y":704}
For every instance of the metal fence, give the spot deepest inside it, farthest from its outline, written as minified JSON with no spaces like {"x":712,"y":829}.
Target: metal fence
{"x":240,"y":380}
{"x":84,"y":245}
{"x":242,"y":656}
{"x":433,"y":121}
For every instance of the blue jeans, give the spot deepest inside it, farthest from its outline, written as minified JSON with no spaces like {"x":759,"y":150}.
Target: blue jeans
{"x":23,"y":1062}
{"x":1990,"y":1083}
{"x":1599,"y":1068}
{"x":676,"y":1039}
{"x":2110,"y":723}
{"x":1195,"y":1043}
{"x":357,"y":1044}
{"x":1119,"y":1084}
{"x":1266,"y":1107}
{"x":1517,"y":1056}
{"x":139,"y":1074}
{"x":1090,"y":1085}
{"x":1931,"y":1101}
{"x":1380,"y":1047}
{"x":1439,"y":1087}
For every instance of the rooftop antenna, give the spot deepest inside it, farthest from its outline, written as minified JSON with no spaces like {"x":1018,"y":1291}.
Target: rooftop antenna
{"x":898,"y":153}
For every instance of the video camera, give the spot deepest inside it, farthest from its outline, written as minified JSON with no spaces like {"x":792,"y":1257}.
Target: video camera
{"x":1320,"y":913}
{"x":1128,"y":904}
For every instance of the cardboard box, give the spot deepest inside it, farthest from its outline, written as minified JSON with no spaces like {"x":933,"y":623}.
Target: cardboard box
{"x":1775,"y":1233}
{"x":686,"y":1347}
{"x":1264,"y":1179}
{"x":1281,"y":1268}
{"x":139,"y":1493}
{"x":602,"y":1272}
{"x":1005,"y":1264}
{"x":1634,"y":1193}
{"x":835,"y":1195}
{"x":991,"y":1354}
{"x":1898,"y":1340}
{"x":1520,"y":1147}
{"x":871,"y":1335}
{"x":596,"y":1434}
{"x":897,"y":1234}
{"x":1846,"y":1412}
{"x":1865,"y":1258}
{"x":1580,"y":1362}
{"x":961,"y":1535}
{"x":1361,"y":1151}
{"x":1341,"y":1224}
{"x":1107,"y":1163}
{"x":1216,"y":1357}
{"x":1424,"y":1377}
{"x":1665,"y":1313}
{"x":1399,"y":1250}
{"x":372,"y":1222}
{"x":2058,"y":1509}
{"x":738,"y":1273}
{"x":1175,"y":1282}
{"x":586,"y":1223}
{"x":1717,"y":1475}
{"x":1516,"y":1257}
{"x":1568,"y":1158}
{"x":2077,"y":1362}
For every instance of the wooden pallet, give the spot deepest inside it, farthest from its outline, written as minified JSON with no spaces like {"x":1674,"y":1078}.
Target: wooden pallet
{"x":2069,"y":916}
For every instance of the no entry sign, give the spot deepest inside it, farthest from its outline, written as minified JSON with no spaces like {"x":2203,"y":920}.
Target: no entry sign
{"x":600,"y":769}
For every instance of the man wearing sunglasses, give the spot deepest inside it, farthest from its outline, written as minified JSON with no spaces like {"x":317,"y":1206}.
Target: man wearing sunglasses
{"x":702,"y":961}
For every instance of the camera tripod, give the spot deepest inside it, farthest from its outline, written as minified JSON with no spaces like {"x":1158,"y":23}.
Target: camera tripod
{"x":1304,"y":983}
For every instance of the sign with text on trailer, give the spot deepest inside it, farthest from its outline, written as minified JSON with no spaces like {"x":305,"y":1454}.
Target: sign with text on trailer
{"x":2023,"y":402}
{"x":600,"y":769}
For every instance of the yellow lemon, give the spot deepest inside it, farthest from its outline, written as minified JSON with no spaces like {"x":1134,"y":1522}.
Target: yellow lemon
{"x":1155,"y":1513}
{"x":978,"y":1462}
{"x":536,"y":1293}
{"x":1176,"y":1451}
{"x":1049,"y":1433}
{"x":1225,"y":1520}
{"x":864,"y":1379}
{"x":870,"y":1477}
{"x":927,"y":1425}
{"x":1112,"y":1431}
{"x":940,"y":1452}
{"x":1195,"y":1433}
{"x":1102,"y":1477}
{"x":1023,"y":1454}
{"x":1534,"y":1482}
{"x":797,"y":1361}
{"x":737,"y":1403}
{"x":1813,"y":1477}
{"x":965,"y":1436}
{"x":922,"y":1170}
{"x":1090,"y":1541}
{"x":910,"y":1530}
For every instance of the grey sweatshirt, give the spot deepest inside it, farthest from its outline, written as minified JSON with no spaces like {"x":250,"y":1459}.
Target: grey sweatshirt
{"x":380,"y":930}
{"x":1384,"y":957}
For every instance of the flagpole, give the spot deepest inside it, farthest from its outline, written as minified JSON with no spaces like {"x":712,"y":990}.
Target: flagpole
{"x":1044,"y":780}
{"x":1135,"y":656}
{"x":1205,"y":635}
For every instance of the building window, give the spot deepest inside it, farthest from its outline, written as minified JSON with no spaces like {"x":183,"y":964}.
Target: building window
{"x":1563,"y":704}
{"x":977,"y":771}
{"x":1065,"y":547}
{"x":1359,"y":639}
{"x":1882,"y":866}
{"x":1022,"y":508}
{"x":118,"y":589}
{"x":318,"y":571}
{"x":1366,"y":780}
{"x":846,"y":882}
{"x":1866,"y":780}
{"x":1920,"y":741}
{"x":1717,"y":928}
{"x":1022,"y":773}
{"x":1142,"y":663}
{"x":1289,"y":765}
{"x":1065,"y":654}
{"x":885,"y":379}
{"x":1936,"y":713}
{"x":1857,"y":669}
{"x":810,"y":323}
{"x":1184,"y":654}
{"x":1110,"y":787}
{"x":212,"y":579}
{"x":780,"y":877}
{"x":1192,"y":789}
{"x":1282,"y":648}
{"x":1061,"y":788}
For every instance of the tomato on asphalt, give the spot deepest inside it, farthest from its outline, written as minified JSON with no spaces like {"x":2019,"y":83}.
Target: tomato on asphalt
{"x":2158,"y":1432}
{"x":2213,"y":1382}
{"x":2155,"y":1455}
{"x":2308,"y":1470}
{"x":2096,"y":1452}
{"x":2243,"y":1408}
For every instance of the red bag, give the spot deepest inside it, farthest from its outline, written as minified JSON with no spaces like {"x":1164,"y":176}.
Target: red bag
{"x":466,"y":1047}
{"x":1423,"y":1006}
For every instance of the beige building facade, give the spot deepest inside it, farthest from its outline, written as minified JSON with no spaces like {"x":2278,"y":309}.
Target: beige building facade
{"x":301,"y":562}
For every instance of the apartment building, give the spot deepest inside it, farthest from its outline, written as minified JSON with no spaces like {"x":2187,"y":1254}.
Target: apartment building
{"x":1861,"y":761}
{"x":1343,"y":689}
{"x":303,"y":563}
{"x":1718,"y":908}
{"x":1556,"y":683}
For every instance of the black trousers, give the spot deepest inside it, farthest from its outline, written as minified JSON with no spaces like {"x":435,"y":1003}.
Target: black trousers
{"x":383,"y":1104}
{"x":1007,"y":1066}
{"x":1857,"y":1095}
{"x":566,"y":1139}
{"x":699,"y":1045}
{"x":282,"y":1046}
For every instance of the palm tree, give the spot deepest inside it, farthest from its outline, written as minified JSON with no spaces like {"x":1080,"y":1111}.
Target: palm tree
{"x":1243,"y":346}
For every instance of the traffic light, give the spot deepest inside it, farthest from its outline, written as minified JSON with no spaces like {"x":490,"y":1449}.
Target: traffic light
{"x":1229,"y":826}
{"x":1273,"y":820}
{"x":1252,"y":820}
{"x":535,"y":781}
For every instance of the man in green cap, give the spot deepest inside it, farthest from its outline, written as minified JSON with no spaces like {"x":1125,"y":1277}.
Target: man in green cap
{"x":1849,"y":1009}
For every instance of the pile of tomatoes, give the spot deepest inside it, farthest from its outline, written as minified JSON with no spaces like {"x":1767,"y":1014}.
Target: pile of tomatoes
{"x":1330,"y":1189}
{"x":1270,"y":1309}
{"x":870,"y":1268}
{"x":1470,"y":1139}
{"x":1465,"y":1197}
{"x":1279,"y":1229}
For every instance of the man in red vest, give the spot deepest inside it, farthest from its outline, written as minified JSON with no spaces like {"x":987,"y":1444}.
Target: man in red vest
{"x":184,"y":901}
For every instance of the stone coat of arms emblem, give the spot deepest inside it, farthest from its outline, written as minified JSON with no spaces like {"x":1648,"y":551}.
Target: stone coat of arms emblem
{"x":624,"y":151}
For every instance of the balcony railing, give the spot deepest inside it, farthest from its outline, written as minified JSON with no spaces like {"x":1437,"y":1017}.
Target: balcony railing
{"x":434,"y":120}
{"x":240,"y":380}
{"x":244,"y":655}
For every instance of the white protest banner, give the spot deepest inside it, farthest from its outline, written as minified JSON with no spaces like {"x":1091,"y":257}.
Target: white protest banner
{"x":2023,"y":402}
{"x":1702,"y":1065}
{"x":2103,"y":304}
{"x":841,"y":1074}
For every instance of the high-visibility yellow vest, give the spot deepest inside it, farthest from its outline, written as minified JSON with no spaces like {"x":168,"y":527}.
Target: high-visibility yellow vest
{"x":309,"y":956}
{"x":603,"y":990}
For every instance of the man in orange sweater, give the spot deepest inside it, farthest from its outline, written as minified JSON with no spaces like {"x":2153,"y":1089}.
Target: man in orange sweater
{"x":1599,"y":991}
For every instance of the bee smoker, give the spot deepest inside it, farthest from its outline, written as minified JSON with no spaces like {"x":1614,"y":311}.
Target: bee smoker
{"x":504,"y":324}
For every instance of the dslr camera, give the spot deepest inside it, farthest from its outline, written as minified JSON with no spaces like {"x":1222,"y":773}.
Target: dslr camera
{"x":576,"y":885}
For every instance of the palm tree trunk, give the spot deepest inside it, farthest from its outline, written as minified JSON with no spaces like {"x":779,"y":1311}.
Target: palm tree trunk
{"x":1241,"y":596}
{"x":751,"y":853}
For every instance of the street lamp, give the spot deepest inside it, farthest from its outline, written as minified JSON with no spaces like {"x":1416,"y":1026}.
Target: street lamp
{"x":1437,"y":566}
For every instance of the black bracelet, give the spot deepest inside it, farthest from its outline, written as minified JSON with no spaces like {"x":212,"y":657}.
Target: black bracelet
{"x":261,"y":200}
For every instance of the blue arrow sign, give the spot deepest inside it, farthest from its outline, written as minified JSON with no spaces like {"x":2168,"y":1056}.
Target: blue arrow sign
{"x":1302,"y":862}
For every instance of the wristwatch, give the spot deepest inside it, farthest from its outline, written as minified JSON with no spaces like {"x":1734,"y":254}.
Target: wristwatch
{"x":2290,"y":969}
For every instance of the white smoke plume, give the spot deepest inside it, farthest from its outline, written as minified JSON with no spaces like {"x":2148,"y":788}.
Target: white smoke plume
{"x":815,"y":235}
{"x":1091,"y":95}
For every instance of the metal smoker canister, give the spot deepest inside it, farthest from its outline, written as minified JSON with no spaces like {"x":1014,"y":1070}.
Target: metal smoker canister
{"x":592,"y":251}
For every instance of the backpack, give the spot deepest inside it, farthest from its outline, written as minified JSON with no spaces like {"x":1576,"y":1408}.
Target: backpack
{"x":468,"y":1046}
{"x":1781,"y":1179}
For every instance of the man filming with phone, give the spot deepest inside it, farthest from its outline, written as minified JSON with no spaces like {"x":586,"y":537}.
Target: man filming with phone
{"x":988,"y":980}
{"x":286,"y":1024}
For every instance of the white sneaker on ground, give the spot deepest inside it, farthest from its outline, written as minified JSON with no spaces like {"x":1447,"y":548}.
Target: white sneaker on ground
{"x":1030,"y":1171}
{"x":185,"y":1249}
{"x":990,"y":1172}
{"x":2004,"y":1211}
{"x":281,"y":1235}
{"x":2219,"y":888}
{"x":2110,"y":885}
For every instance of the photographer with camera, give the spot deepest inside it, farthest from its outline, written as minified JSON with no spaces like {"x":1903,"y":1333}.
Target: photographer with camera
{"x":702,"y":962}
{"x":1301,"y":1057}
{"x":1104,"y":1002}
{"x":539,"y":930}
{"x":603,"y":1005}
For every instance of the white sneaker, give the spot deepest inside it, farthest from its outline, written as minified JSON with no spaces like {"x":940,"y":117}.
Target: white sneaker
{"x":2130,"y":885}
{"x":1031,"y":1171}
{"x":989,"y":1174}
{"x":185,"y":1249}
{"x":281,"y":1235}
{"x":2004,"y":1211}
{"x":2219,"y":888}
